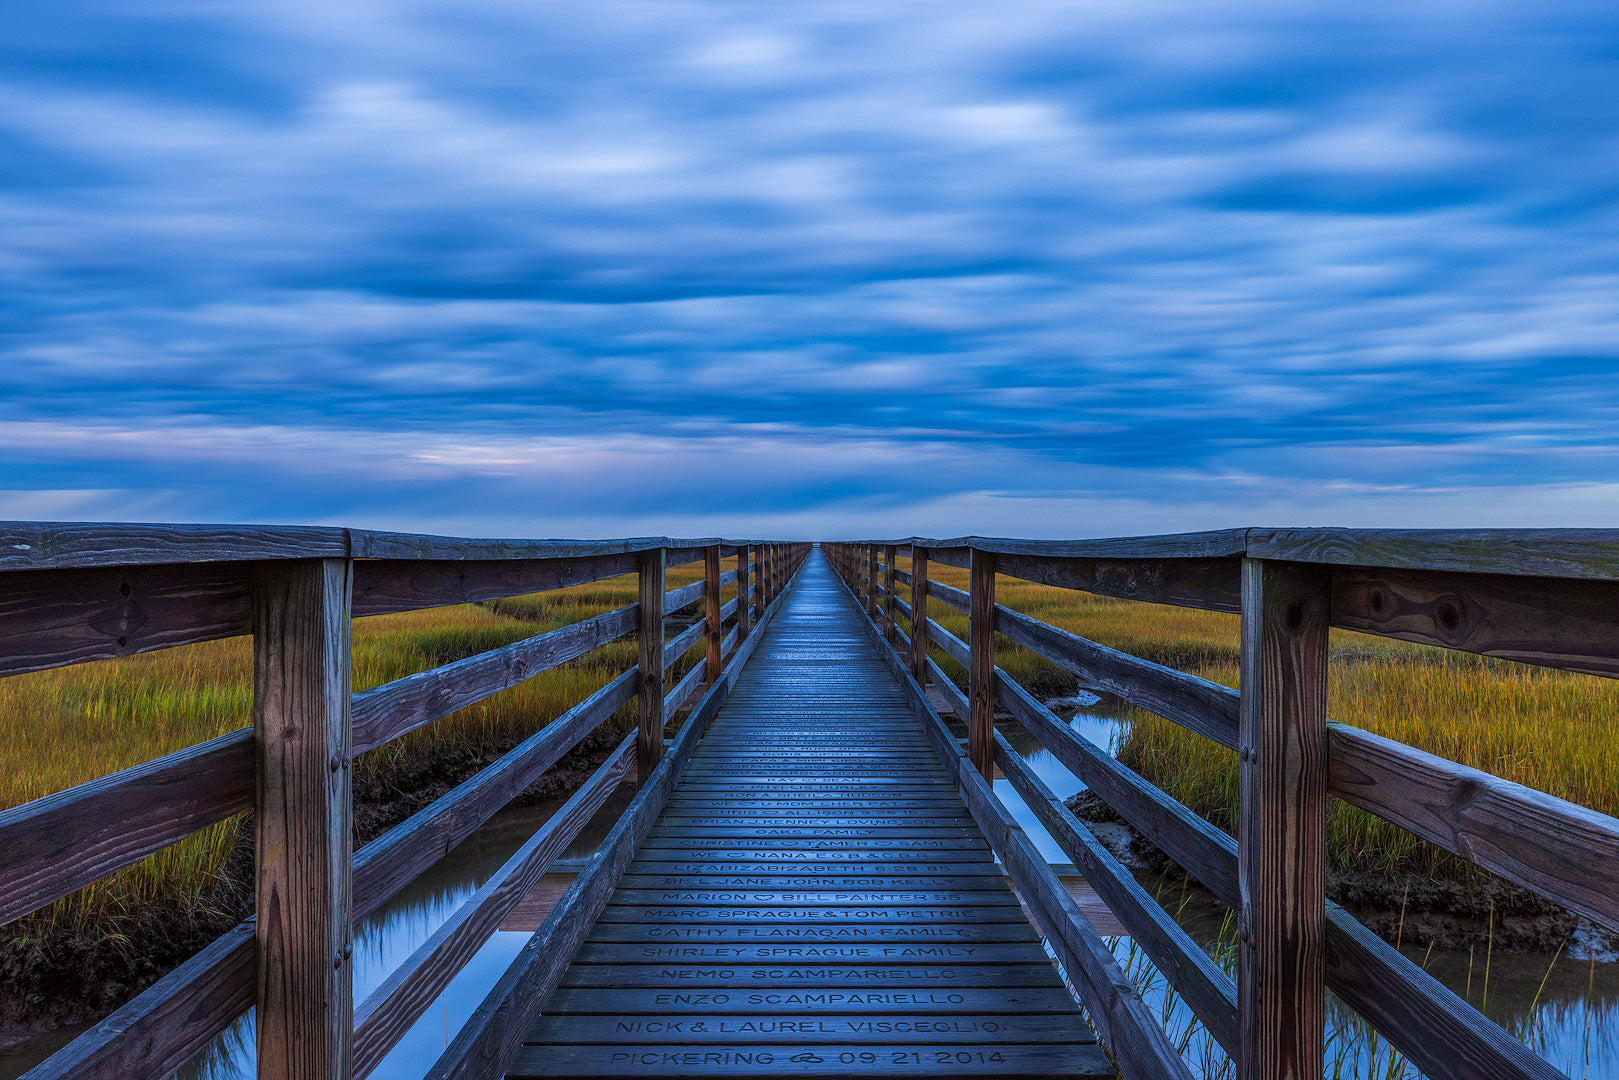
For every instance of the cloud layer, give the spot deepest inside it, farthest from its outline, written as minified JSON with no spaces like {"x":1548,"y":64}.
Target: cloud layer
{"x":1048,"y":268}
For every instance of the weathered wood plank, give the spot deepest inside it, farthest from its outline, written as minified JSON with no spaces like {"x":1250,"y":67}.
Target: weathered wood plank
{"x":490,"y":1039}
{"x":744,"y":594}
{"x":1444,"y":1036}
{"x":1281,"y":835}
{"x":49,"y":618}
{"x":1196,"y":704}
{"x":676,"y":646}
{"x":1571,"y":624}
{"x":390,"y":1010}
{"x":738,"y":978}
{"x":302,"y":820}
{"x":802,"y":1059}
{"x":386,"y":712}
{"x":1591,"y":554}
{"x":1135,"y":1040}
{"x":981,"y":666}
{"x":678,"y":600}
{"x":1549,"y":845}
{"x":849,"y":1029}
{"x":56,"y":845}
{"x":1212,"y":584}
{"x":1210,"y":992}
{"x":813,"y":1002}
{"x":34,"y":545}
{"x":382,"y":586}
{"x":649,"y":685}
{"x":159,"y":1029}
{"x":918,"y":614}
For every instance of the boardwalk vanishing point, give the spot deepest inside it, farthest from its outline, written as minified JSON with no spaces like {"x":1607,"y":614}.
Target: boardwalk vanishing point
{"x":815,"y":900}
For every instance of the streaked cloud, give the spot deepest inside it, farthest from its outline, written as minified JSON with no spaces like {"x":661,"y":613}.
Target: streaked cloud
{"x":1082,"y":268}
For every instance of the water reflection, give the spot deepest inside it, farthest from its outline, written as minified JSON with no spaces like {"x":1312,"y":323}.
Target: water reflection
{"x":1567,"y":1012}
{"x":386,"y":939}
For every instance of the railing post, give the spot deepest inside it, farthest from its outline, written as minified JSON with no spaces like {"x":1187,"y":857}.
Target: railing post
{"x":759,"y":582}
{"x":711,"y":611}
{"x":744,"y":602}
{"x":890,"y":553}
{"x":649,"y":737}
{"x":981,"y":666}
{"x":302,"y":819}
{"x":873,"y":604}
{"x":919,"y":615}
{"x":1281,"y":831}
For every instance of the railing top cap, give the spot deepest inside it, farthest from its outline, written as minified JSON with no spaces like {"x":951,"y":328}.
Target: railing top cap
{"x":33,"y":545}
{"x":1568,"y":553}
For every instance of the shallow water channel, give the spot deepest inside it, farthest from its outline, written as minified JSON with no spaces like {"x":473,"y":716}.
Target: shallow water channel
{"x":1570,"y":1016}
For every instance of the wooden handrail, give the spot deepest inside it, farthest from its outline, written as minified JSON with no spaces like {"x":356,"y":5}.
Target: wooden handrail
{"x":78,"y":588}
{"x":1532,"y":838}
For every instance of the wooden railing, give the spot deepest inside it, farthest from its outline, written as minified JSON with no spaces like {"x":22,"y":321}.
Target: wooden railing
{"x":71,"y":593}
{"x":1544,"y":598}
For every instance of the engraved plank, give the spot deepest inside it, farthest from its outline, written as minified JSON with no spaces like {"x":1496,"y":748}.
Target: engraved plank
{"x":804,"y":1060}
{"x":741,"y":1029}
{"x":1033,"y":999}
{"x":808,"y":974}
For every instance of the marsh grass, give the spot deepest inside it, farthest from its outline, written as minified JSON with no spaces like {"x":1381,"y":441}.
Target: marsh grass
{"x":1550,"y":730}
{"x":68,"y":725}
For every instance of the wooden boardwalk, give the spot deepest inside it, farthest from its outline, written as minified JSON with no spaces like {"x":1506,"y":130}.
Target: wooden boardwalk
{"x":815,"y":900}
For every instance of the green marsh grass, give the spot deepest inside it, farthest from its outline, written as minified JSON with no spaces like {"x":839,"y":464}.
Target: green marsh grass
{"x":69,"y":725}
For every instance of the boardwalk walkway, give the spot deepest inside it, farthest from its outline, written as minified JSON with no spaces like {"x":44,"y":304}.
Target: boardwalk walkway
{"x":815,"y":900}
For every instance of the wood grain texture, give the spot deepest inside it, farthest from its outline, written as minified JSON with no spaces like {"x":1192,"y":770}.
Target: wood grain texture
{"x":388,"y":585}
{"x":158,"y":1030}
{"x":744,"y":612}
{"x":711,"y":610}
{"x":1281,"y":834}
{"x":399,"y":855}
{"x":676,"y":646}
{"x":302,"y":820}
{"x":33,"y":545}
{"x":57,"y":845}
{"x":1551,"y":622}
{"x":1196,"y":704}
{"x":390,"y":1010}
{"x":1210,"y":992}
{"x":49,"y":618}
{"x":1135,"y":1040}
{"x":919,"y":615}
{"x":889,"y":594}
{"x":489,"y":1041}
{"x":678,"y":600}
{"x":981,"y":665}
{"x":1208,"y":584}
{"x":1548,"y":845}
{"x":386,"y":712}
{"x":649,"y":655}
{"x":1591,"y":554}
{"x":1128,"y":1028}
{"x":1444,"y":1036}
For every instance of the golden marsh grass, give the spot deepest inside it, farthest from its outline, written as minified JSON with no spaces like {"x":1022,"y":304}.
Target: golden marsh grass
{"x":1550,"y":730}
{"x":65,"y":726}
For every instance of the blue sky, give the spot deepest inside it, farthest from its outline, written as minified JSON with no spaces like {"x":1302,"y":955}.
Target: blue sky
{"x":818,"y":269}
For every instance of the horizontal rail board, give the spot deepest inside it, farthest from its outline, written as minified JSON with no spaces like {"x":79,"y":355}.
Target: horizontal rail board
{"x":387,"y":1014}
{"x":382,"y":586}
{"x":386,"y":712}
{"x":1210,"y":992}
{"x":1550,"y":622}
{"x":50,"y":618}
{"x":1446,"y":1037}
{"x":395,"y":858}
{"x":56,"y":845}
